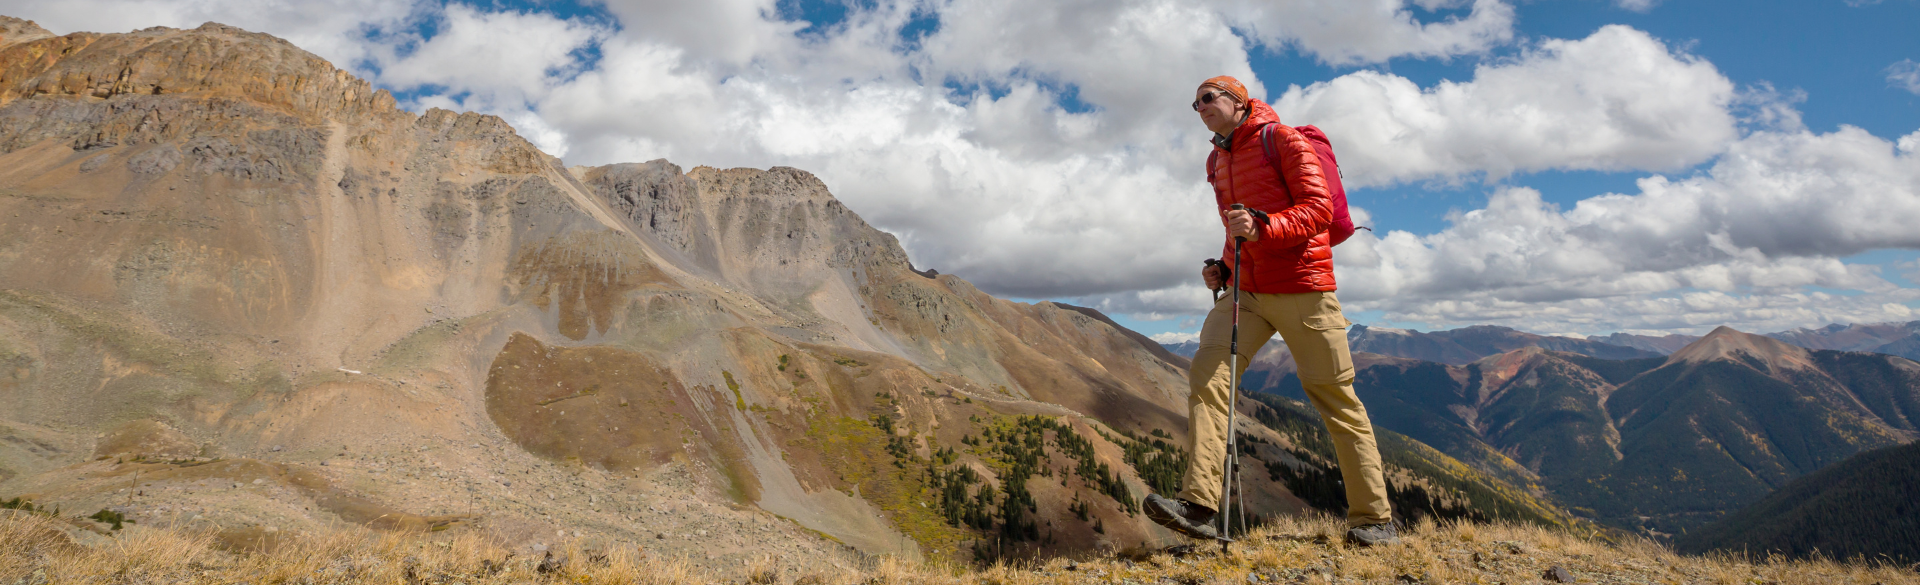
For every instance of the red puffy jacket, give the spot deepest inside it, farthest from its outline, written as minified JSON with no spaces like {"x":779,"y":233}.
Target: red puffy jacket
{"x":1294,"y":253}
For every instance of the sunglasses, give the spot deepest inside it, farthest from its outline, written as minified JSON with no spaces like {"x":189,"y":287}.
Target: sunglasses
{"x":1207,"y":98}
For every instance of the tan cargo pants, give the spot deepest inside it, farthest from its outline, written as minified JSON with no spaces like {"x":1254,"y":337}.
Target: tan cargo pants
{"x":1315,"y":331}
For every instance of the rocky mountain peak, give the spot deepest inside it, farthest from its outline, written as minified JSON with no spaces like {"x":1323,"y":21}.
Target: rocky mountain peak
{"x":212,"y":61}
{"x":1727,"y":343}
{"x":15,"y":30}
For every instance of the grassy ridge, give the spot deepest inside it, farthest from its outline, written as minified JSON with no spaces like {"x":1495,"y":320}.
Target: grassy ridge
{"x":34,"y":548}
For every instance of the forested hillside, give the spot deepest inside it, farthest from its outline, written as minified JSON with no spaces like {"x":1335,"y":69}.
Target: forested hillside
{"x":1865,"y":506}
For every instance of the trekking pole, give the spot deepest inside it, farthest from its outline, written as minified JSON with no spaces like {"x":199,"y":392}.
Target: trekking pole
{"x":1216,"y":292}
{"x":1233,"y":395}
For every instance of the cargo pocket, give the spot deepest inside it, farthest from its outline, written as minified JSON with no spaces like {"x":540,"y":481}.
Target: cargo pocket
{"x":1322,"y":311}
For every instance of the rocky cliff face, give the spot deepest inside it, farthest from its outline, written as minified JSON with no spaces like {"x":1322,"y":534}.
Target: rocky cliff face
{"x":214,"y":242}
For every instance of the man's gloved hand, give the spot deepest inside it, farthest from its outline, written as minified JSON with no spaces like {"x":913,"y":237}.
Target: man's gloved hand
{"x":1216,"y":274}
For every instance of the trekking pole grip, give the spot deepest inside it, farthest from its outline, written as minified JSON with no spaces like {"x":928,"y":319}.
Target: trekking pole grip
{"x":1238,"y":207}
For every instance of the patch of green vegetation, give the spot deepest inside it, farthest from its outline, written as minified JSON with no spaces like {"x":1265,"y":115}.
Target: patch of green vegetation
{"x":857,"y":452}
{"x":849,"y":362}
{"x":783,"y":362}
{"x":1444,"y":488}
{"x":169,"y":355}
{"x":25,"y":505}
{"x":739,"y":401}
{"x":1157,"y":461}
{"x":105,"y":516}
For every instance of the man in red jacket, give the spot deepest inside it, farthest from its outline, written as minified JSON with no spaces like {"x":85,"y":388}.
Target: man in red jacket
{"x":1286,"y":286}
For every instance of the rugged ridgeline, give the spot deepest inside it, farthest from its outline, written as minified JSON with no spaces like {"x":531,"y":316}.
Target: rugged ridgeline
{"x":1663,"y":344}
{"x":1464,"y":345}
{"x":1458,"y":346}
{"x":1467,"y":344}
{"x":1656,"y":444}
{"x":241,"y":291}
{"x":1860,"y":507}
{"x":1901,"y":339}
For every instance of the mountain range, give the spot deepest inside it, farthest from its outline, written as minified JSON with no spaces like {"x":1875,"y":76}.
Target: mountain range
{"x":1466,"y":344}
{"x":1660,"y":444}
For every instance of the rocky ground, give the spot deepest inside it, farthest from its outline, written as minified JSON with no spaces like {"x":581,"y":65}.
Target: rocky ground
{"x":37,"y":549}
{"x":518,"y":504}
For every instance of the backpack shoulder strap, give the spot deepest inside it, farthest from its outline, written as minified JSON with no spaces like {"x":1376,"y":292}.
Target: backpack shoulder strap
{"x":1272,"y":151}
{"x":1267,"y":145}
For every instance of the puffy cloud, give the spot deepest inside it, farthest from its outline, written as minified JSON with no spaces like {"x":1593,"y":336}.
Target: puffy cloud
{"x":1371,"y":31}
{"x":731,"y":32}
{"x":1740,"y":244}
{"x":1616,"y":100}
{"x":1904,"y":75}
{"x":495,"y":62}
{"x":1636,"y":5}
{"x":1174,"y":337}
{"x":513,"y":57}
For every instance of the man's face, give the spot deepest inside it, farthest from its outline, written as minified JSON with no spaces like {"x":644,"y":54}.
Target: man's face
{"x":1220,"y":116}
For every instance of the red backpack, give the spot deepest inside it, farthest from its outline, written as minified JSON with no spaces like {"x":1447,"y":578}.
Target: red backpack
{"x":1342,"y":226}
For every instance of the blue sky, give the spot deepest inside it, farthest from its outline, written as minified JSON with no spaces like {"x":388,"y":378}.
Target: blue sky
{"x":1571,"y":167}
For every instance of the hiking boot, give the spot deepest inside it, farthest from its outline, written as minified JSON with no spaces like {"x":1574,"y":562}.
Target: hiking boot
{"x":1373,"y":535}
{"x":1182,"y":516}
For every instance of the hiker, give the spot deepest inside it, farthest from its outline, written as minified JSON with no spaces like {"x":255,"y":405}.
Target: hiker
{"x":1286,"y":287}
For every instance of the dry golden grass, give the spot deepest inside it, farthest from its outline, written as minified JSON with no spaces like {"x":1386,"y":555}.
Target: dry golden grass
{"x":33,"y":549}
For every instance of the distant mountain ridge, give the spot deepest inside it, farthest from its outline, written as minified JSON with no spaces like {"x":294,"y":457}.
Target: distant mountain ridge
{"x":1663,"y":345}
{"x":1466,"y":344}
{"x":1901,"y":339}
{"x":1660,"y":444}
{"x":1454,"y":346}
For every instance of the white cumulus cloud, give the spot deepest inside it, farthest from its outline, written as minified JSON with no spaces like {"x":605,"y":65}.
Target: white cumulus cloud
{"x":1904,"y":75}
{"x":1370,"y":31}
{"x":1616,"y":100}
{"x":1740,"y":243}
